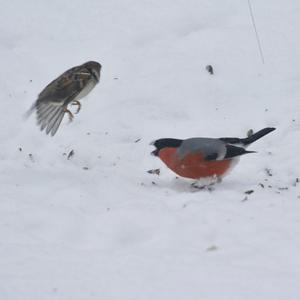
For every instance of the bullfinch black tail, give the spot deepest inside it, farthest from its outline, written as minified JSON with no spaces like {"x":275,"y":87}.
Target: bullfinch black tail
{"x":256,"y":136}
{"x":249,"y":140}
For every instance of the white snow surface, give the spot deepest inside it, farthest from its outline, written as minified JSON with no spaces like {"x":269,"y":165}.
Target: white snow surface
{"x":97,"y":225}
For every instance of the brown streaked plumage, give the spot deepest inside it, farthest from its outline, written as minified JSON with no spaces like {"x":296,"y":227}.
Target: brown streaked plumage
{"x":68,"y":88}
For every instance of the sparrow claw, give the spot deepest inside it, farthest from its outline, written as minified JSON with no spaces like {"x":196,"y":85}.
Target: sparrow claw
{"x":71,"y":116}
{"x":78,"y":106}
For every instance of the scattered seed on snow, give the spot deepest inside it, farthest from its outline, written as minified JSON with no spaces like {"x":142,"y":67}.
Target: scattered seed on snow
{"x":154,"y":171}
{"x":71,"y":154}
{"x":283,"y":188}
{"x":245,"y":199}
{"x":212,"y":248}
{"x":209,"y":69}
{"x":296,"y":181}
{"x":249,"y":192}
{"x":269,"y":172}
{"x":250,"y":132}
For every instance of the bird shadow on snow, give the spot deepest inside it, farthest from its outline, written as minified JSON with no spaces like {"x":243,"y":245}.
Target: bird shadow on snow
{"x":182,"y":185}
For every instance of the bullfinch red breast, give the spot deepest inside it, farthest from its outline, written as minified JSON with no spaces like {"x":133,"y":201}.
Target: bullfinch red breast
{"x":198,"y":158}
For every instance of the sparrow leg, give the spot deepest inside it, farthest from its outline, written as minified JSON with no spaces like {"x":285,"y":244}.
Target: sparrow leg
{"x":69,"y":113}
{"x":78,"y":106}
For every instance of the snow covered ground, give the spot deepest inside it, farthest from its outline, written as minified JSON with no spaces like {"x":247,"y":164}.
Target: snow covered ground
{"x":97,"y":225}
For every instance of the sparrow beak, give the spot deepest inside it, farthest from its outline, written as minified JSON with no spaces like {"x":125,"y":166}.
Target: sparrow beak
{"x":94,"y":75}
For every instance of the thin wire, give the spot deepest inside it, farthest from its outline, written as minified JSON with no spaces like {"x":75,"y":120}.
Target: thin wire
{"x":256,"y":32}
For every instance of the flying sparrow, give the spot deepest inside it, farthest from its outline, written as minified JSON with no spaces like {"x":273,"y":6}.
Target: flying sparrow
{"x":68,"y":88}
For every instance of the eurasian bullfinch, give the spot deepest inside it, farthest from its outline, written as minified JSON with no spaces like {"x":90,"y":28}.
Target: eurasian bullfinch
{"x":199,"y":158}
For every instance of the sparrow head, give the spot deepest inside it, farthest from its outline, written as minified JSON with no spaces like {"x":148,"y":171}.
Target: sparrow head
{"x":94,"y":68}
{"x":164,"y":143}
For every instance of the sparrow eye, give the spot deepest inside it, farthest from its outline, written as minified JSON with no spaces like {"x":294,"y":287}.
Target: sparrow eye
{"x":94,"y":74}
